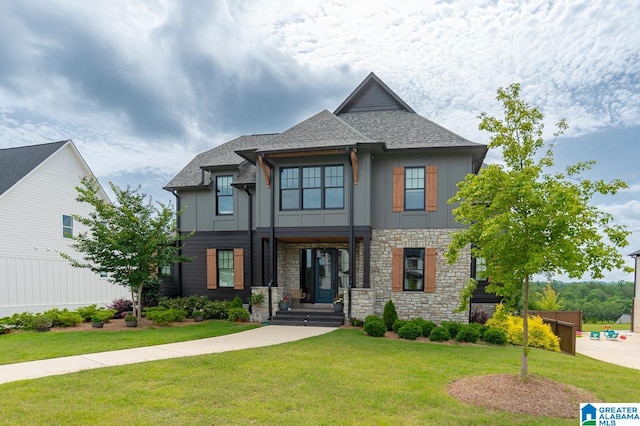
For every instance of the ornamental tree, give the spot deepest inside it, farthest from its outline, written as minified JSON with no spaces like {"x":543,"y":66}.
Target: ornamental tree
{"x":131,"y":240}
{"x":525,"y":220}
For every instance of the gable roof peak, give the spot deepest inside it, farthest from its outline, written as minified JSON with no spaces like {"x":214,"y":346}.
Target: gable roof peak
{"x":372,"y":95}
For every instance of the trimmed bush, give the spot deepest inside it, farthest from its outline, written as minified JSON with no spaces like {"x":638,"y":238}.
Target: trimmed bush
{"x":120,"y":305}
{"x":426,"y":326}
{"x":477,"y":326}
{"x":86,"y":312}
{"x":216,"y":309}
{"x":468,"y":334}
{"x":356,"y":322}
{"x":452,"y":327}
{"x":69,"y":319}
{"x":494,"y":336}
{"x":374,"y":326}
{"x":398,"y":324}
{"x":237,"y":303}
{"x":389,"y":315}
{"x":410,"y":331}
{"x":239,"y":314}
{"x":163,"y":316}
{"x":104,"y":314}
{"x":540,"y":334}
{"x":439,"y":334}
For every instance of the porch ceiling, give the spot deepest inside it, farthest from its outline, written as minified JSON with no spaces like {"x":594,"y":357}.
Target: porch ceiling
{"x":318,"y":239}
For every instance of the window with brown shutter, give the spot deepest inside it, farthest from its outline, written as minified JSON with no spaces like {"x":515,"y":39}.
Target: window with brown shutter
{"x":238,"y":269}
{"x":398,"y":189}
{"x":431,"y":200}
{"x":212,"y":269}
{"x":397,"y":269}
{"x":429,"y":270}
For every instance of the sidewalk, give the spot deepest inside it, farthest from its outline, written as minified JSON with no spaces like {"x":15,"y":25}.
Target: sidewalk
{"x":624,"y":352}
{"x":257,"y":337}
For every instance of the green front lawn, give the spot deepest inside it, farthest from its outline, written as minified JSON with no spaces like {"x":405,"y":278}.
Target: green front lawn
{"x":30,"y":346}
{"x":600,"y":327}
{"x":343,"y":377}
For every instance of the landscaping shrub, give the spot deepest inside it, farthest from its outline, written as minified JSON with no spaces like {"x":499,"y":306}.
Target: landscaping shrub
{"x":468,"y":333}
{"x":163,"y":316}
{"x":68,"y":318}
{"x":104,"y":314}
{"x":237,"y":303}
{"x":374,"y":326}
{"x":477,"y":326}
{"x":452,"y":327}
{"x":217,"y":309}
{"x":479,"y":317}
{"x":398,"y":324}
{"x":494,"y":336}
{"x":188,"y":304}
{"x":120,"y":306}
{"x":21,"y":320}
{"x":239,"y":314}
{"x":410,"y":331}
{"x":425,"y":325}
{"x":40,"y":321}
{"x":86,"y":312}
{"x":389,"y":315}
{"x":439,"y":334}
{"x":356,"y":322}
{"x":540,"y":334}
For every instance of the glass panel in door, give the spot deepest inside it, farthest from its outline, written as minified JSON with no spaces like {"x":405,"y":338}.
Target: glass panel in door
{"x":325,"y":277}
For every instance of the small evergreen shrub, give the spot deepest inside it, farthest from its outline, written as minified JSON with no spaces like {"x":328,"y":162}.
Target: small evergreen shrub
{"x":355,"y":322}
{"x":452,"y":327}
{"x":439,"y":334}
{"x":495,"y":336}
{"x":477,"y":326}
{"x":389,"y":315}
{"x":21,"y":320}
{"x":239,"y":314}
{"x":410,"y":331}
{"x":163,"y":316}
{"x":374,"y":326}
{"x":69,"y":319}
{"x":86,"y":312}
{"x":104,"y":314}
{"x":426,"y":326}
{"x":217,"y":309}
{"x":398,"y":324}
{"x":468,"y":334}
{"x":188,"y":304}
{"x":237,"y":303}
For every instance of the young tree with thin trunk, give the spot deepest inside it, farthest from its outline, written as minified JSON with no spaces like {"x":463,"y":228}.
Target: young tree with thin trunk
{"x":524,"y":220}
{"x":131,"y":240}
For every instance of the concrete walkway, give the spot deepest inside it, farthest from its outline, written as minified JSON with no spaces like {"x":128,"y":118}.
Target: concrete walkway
{"x":257,"y":337}
{"x":624,"y":352}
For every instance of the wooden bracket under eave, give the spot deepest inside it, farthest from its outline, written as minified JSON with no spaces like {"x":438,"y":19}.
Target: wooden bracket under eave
{"x":266,"y":170}
{"x":354,"y":165}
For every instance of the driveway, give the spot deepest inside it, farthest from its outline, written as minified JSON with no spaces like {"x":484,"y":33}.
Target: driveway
{"x":624,"y":352}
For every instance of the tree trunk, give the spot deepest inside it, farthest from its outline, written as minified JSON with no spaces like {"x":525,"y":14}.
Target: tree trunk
{"x":139,"y":302}
{"x":524,"y":371}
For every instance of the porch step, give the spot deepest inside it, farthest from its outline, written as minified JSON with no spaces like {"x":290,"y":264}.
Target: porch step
{"x":308,"y":317}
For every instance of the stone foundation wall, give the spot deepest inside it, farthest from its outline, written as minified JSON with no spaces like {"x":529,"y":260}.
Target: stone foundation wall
{"x":450,"y":279}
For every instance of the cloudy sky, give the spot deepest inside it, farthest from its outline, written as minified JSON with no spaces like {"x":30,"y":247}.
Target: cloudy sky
{"x":141,"y":87}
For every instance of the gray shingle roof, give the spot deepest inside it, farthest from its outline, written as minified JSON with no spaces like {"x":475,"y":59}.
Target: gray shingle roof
{"x":320,"y":131}
{"x":222,"y":155}
{"x":17,"y":162}
{"x":403,"y":129}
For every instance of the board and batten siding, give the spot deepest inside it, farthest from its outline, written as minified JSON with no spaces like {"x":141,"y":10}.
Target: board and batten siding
{"x":33,"y":275}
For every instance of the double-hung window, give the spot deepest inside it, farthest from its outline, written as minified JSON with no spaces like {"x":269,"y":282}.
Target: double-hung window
{"x":312,"y":188}
{"x":67,"y":226}
{"x":414,"y":188}
{"x":224,"y":195}
{"x":225,"y":268}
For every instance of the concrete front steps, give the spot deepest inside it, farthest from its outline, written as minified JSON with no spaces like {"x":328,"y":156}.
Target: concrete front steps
{"x":309,"y":316}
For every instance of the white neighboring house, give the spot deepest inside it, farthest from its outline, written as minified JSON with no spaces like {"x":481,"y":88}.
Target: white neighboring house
{"x":37,"y":199}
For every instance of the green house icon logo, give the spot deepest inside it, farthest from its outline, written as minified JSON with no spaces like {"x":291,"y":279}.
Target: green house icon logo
{"x":588,"y":415}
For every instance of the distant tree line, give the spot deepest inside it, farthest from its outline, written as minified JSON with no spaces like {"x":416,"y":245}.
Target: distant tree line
{"x":598,"y":301}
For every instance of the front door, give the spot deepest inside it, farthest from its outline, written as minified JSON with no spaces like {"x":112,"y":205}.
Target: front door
{"x":325,"y":276}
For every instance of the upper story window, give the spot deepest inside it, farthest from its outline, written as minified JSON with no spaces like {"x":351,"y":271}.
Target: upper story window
{"x":414,"y":188}
{"x":224,"y":195}
{"x":315,"y":187}
{"x":67,"y":226}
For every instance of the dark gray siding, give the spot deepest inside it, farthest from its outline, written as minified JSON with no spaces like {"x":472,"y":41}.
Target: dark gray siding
{"x":373,"y":98}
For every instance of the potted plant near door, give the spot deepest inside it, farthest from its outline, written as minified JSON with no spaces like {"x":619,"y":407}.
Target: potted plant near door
{"x":338,"y":304}
{"x":284,"y":303}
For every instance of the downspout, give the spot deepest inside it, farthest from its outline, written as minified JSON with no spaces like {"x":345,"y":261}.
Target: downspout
{"x":352,"y":237}
{"x":250,"y":231}
{"x":272,"y":242}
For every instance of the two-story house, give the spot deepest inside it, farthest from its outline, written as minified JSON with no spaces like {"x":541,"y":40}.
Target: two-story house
{"x":351,"y":203}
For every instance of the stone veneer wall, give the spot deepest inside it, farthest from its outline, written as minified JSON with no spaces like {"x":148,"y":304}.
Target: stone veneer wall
{"x":450,"y":279}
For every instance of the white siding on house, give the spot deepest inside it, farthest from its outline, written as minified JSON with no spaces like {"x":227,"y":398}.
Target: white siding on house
{"x":33,"y":275}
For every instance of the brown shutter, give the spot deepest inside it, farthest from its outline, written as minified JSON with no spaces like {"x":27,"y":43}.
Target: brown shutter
{"x":238,"y":269}
{"x":398,"y":189}
{"x":212,"y":269}
{"x":397,"y":269}
{"x":429,"y":270}
{"x":431,"y":200}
